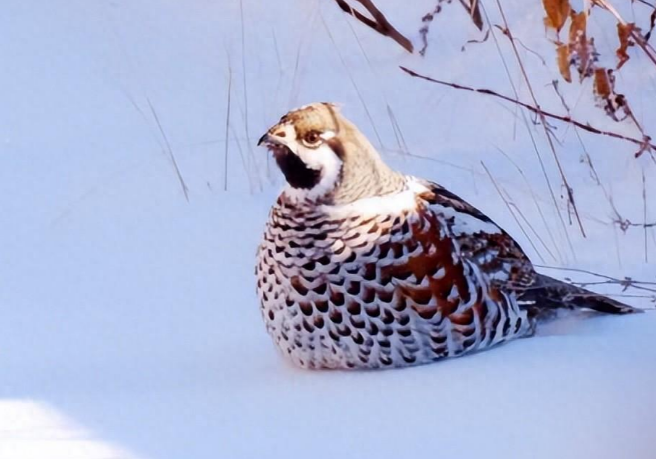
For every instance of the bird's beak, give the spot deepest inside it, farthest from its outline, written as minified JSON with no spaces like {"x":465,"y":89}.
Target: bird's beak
{"x":275,"y":136}
{"x":266,"y":138}
{"x":270,"y":138}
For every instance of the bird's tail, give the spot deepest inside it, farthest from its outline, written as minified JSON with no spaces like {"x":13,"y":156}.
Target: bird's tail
{"x":549,"y":295}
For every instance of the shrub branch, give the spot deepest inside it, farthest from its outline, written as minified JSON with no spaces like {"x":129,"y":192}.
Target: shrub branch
{"x":378,"y":22}
{"x":645,"y":141}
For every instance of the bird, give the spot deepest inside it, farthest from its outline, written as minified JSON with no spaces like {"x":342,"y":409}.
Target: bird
{"x":364,"y":267}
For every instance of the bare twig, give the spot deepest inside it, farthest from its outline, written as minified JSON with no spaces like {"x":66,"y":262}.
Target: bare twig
{"x":355,"y":85}
{"x":537,"y":206}
{"x":510,"y":209}
{"x":625,"y":224}
{"x":227,"y":131}
{"x":379,"y":22}
{"x":244,"y":80}
{"x":507,"y":33}
{"x":566,"y":119}
{"x":646,"y":3}
{"x":396,"y":128}
{"x":652,"y":24}
{"x":398,"y":133}
{"x":183,"y":185}
{"x":625,"y":282}
{"x":427,"y":19}
{"x":476,"y":42}
{"x":473,"y":10}
{"x":586,"y":155}
{"x":244,"y":162}
{"x":471,"y":6}
{"x":529,"y":131}
{"x":644,"y":213}
{"x":570,"y":190}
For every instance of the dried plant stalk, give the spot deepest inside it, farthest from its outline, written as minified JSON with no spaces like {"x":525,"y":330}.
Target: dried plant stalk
{"x":378,"y":22}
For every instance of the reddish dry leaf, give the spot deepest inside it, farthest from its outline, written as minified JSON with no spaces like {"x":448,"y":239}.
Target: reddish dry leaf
{"x":624,"y":34}
{"x":582,"y":50}
{"x":577,"y":29}
{"x":564,"y":62}
{"x":557,"y":12}
{"x":614,"y":104}
{"x":602,"y":84}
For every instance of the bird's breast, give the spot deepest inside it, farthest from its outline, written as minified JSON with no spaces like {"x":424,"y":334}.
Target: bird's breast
{"x":327,"y":291}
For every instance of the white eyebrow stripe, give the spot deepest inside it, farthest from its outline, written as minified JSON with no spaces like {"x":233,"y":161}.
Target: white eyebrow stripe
{"x":327,"y":135}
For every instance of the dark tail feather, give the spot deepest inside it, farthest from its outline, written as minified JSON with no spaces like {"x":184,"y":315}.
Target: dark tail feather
{"x":548,"y":295}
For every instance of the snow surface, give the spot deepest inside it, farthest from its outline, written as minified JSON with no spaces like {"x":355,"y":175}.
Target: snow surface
{"x":129,"y":318}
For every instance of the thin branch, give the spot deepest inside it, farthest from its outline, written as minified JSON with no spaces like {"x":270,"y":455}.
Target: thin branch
{"x":355,"y":85}
{"x":531,"y":136}
{"x":476,"y":42}
{"x":245,"y":86}
{"x":566,"y":119}
{"x":227,"y":131}
{"x":625,"y":283}
{"x":379,"y":22}
{"x":626,"y":224}
{"x":587,"y":158}
{"x":644,"y":214}
{"x":570,"y":191}
{"x":472,"y":9}
{"x":396,"y":128}
{"x":244,"y":162}
{"x":243,"y":65}
{"x":185,"y":190}
{"x":510,"y":209}
{"x":537,"y":206}
{"x":507,"y":33}
{"x":474,"y":12}
{"x":652,"y":24}
{"x":398,"y":133}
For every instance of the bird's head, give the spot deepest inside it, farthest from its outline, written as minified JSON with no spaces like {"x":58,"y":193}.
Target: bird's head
{"x":325,"y":158}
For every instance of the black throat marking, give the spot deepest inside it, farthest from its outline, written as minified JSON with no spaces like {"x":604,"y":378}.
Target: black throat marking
{"x":298,"y":175}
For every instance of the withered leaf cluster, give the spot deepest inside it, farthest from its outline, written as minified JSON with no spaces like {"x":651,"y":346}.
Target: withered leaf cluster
{"x":579,"y":52}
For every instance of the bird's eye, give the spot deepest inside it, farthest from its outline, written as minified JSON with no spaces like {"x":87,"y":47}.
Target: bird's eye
{"x":312,"y":138}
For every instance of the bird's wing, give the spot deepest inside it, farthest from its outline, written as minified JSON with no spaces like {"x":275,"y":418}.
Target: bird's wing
{"x":480,"y":240}
{"x":443,"y":259}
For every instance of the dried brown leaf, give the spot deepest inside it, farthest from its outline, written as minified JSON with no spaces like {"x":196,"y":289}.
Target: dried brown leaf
{"x":557,"y":13}
{"x":582,"y":50}
{"x":602,"y":83}
{"x":562,"y":51}
{"x":614,"y":104}
{"x":577,"y":29}
{"x":624,"y":34}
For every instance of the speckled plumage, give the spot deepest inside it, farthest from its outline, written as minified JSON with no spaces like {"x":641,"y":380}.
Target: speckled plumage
{"x":363,"y":267}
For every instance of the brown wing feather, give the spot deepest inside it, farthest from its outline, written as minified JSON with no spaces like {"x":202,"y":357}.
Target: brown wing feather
{"x":497,"y":253}
{"x":465,"y":312}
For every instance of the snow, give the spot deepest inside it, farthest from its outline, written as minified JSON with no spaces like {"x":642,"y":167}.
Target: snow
{"x":129,"y":317}
{"x":31,"y":430}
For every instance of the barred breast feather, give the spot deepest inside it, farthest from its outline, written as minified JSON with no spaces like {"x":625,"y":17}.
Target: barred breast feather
{"x":388,"y":281}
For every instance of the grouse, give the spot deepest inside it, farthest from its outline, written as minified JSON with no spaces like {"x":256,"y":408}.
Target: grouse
{"x":362,"y":267}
